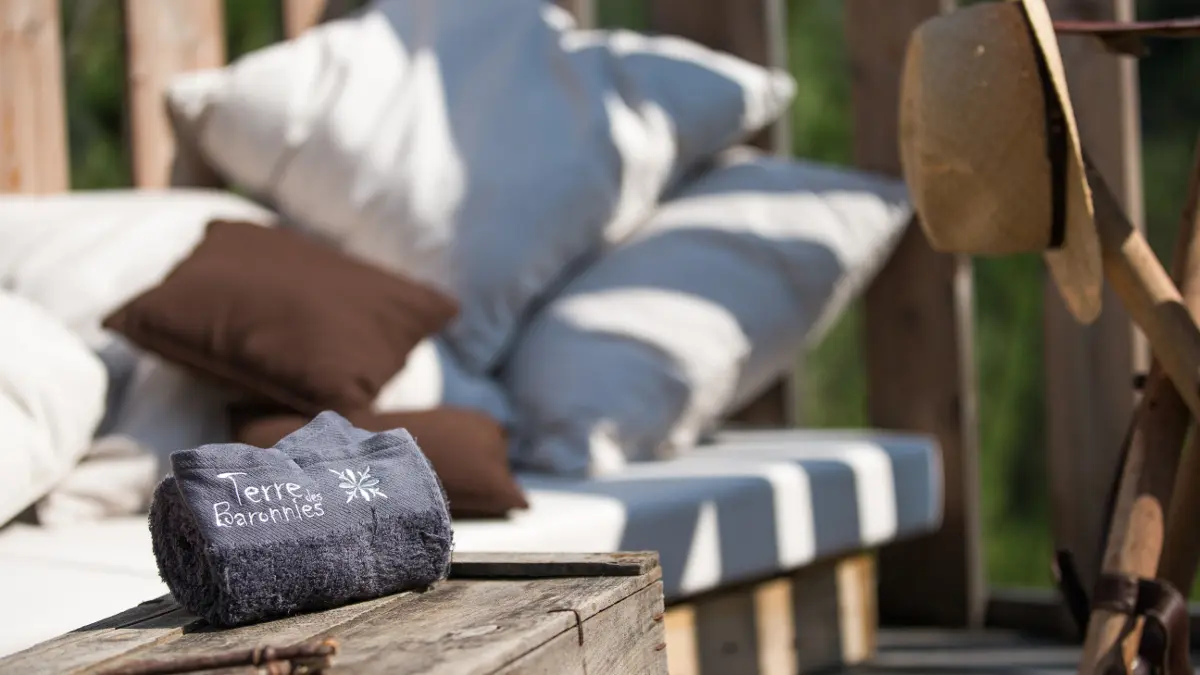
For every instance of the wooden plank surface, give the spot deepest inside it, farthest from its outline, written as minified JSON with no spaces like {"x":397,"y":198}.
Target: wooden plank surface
{"x":1089,"y":369}
{"x":460,"y":626}
{"x":155,"y":620}
{"x":164,"y":38}
{"x":919,"y":342}
{"x":33,"y":131}
{"x":471,"y":627}
{"x":624,"y":638}
{"x":545,"y":565}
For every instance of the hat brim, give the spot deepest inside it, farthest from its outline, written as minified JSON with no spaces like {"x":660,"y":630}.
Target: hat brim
{"x":1076,"y":266}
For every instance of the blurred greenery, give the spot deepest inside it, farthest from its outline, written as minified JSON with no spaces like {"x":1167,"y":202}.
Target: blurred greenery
{"x":1008,"y":291}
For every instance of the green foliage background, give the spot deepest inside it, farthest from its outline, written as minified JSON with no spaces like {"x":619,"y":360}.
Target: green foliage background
{"x":1009,"y":291}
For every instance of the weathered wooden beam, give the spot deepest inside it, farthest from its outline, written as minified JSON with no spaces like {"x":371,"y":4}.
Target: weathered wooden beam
{"x":33,"y":130}
{"x":819,"y":619}
{"x":164,"y":38}
{"x":1089,"y":369}
{"x":919,"y":344}
{"x":756,"y":31}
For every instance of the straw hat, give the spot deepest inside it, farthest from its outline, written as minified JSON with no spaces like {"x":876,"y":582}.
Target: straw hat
{"x":990,"y":148}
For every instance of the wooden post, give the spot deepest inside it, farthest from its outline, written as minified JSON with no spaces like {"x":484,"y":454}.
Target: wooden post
{"x":584,"y":11}
{"x":1152,"y":457}
{"x":1089,"y":369}
{"x":753,"y":30}
{"x":163,"y":38}
{"x":919,"y":343}
{"x":300,"y":15}
{"x":33,"y":130}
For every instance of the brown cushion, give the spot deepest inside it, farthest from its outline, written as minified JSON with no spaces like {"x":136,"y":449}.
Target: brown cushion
{"x":468,"y":450}
{"x":275,"y":313}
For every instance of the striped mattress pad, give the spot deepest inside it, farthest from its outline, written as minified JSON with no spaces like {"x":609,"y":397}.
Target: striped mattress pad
{"x":744,"y":506}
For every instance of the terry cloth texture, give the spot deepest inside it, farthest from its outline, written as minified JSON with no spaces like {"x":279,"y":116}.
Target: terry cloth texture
{"x":332,"y":514}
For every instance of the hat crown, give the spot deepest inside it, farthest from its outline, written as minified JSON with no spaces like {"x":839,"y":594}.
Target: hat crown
{"x":973,"y":132}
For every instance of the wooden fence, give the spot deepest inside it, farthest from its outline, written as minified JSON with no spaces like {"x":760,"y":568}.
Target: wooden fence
{"x":918,"y":332}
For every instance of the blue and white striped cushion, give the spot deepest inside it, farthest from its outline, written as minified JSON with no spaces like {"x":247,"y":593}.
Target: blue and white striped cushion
{"x":748,"y":505}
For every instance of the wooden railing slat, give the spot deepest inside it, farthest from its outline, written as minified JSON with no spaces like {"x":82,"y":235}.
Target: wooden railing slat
{"x":1088,"y":369}
{"x":33,"y":131}
{"x":919,"y":344}
{"x":583,"y":10}
{"x":753,"y":30}
{"x":300,"y":15}
{"x":164,"y":38}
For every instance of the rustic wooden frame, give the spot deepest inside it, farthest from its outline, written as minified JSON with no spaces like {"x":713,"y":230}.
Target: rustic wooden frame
{"x":532,"y":613}
{"x":918,"y":342}
{"x":818,"y":619}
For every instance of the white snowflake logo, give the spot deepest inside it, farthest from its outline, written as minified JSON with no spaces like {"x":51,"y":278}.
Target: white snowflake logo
{"x":359,"y":485}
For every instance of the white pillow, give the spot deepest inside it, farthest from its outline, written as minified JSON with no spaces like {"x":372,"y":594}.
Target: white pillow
{"x":52,"y":391}
{"x":164,"y":408}
{"x":81,"y":255}
{"x":481,"y":147}
{"x":433,"y":377}
{"x":698,"y":311}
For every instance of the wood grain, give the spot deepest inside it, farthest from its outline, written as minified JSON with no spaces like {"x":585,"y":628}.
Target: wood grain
{"x":544,"y":565}
{"x":471,"y":626}
{"x":162,"y":39}
{"x":1146,"y":290}
{"x":1089,"y":369}
{"x":33,"y":131}
{"x":197,"y":637}
{"x":1152,"y":457}
{"x":919,"y":344}
{"x":1181,"y":546}
{"x":624,"y":638}
{"x":146,"y":624}
{"x":818,"y":619}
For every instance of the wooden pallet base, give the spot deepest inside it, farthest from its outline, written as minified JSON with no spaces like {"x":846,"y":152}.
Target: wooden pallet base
{"x":820,"y":618}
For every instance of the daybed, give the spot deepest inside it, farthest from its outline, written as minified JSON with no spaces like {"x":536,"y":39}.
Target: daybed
{"x":766,"y":537}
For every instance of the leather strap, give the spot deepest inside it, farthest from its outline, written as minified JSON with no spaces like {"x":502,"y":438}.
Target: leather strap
{"x":1164,"y":646}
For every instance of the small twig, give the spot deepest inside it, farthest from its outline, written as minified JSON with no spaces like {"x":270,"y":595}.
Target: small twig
{"x":309,"y":657}
{"x":1125,"y":37}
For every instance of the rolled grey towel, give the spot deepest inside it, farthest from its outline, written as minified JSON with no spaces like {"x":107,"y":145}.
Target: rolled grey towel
{"x":330,"y":515}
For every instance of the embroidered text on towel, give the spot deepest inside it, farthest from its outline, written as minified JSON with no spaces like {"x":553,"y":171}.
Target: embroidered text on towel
{"x":272,"y":502}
